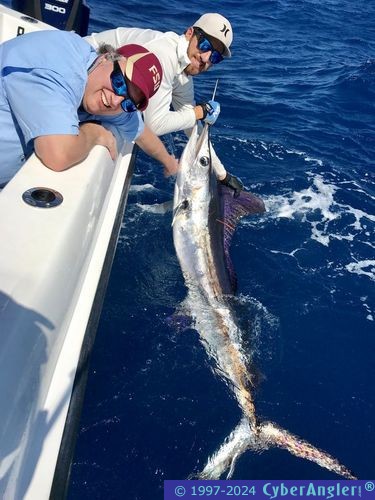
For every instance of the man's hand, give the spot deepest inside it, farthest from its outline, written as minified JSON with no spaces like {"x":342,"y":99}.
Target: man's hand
{"x":211,"y":111}
{"x":152,"y":145}
{"x":171,"y":166}
{"x":98,"y":135}
{"x":234,"y":183}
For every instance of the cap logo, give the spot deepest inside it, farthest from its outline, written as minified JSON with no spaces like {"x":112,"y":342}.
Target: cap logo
{"x":225,"y":30}
{"x":156,"y":77}
{"x":130,"y":61}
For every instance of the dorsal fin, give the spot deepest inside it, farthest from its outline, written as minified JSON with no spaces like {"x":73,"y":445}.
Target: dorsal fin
{"x":233,"y":208}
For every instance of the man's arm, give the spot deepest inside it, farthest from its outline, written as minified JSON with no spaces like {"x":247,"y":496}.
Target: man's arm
{"x":224,"y":176}
{"x":152,"y":145}
{"x":159,"y":116}
{"x":60,"y":152}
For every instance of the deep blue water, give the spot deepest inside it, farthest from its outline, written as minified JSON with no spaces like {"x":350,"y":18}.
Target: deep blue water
{"x":297,"y":125}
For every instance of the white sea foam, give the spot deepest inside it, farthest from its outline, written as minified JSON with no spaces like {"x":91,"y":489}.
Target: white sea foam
{"x":317,"y":206}
{"x":319,"y":209}
{"x":136,"y":188}
{"x":370,"y":315}
{"x":364,"y":267}
{"x":318,"y":197}
{"x":305,"y":156}
{"x":156,"y":208}
{"x":264,"y":326}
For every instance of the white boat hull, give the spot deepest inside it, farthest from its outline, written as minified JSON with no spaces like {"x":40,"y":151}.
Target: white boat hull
{"x":53,"y":272}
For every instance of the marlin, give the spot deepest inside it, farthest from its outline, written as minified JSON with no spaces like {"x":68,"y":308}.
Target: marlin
{"x":204,"y":220}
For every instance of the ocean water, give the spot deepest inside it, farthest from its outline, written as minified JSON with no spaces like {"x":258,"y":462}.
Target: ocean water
{"x":297,"y":126}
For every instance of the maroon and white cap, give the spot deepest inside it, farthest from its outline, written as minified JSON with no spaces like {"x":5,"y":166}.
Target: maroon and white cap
{"x":143,"y":69}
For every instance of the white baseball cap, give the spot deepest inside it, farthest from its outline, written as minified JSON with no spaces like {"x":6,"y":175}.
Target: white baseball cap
{"x":218,"y":27}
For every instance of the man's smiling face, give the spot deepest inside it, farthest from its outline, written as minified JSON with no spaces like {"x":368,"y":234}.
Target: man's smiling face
{"x":199,"y":61}
{"x":99,"y":97}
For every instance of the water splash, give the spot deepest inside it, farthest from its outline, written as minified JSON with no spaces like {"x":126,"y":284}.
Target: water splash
{"x":323,"y":215}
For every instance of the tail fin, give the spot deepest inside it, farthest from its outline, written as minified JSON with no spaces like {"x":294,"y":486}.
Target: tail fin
{"x":263,"y":437}
{"x":226,"y":456}
{"x":281,"y":438}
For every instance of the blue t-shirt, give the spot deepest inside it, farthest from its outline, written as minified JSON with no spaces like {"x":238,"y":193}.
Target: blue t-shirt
{"x":42,"y":82}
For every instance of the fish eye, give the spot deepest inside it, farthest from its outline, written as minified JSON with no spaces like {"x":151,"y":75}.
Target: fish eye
{"x":204,"y":161}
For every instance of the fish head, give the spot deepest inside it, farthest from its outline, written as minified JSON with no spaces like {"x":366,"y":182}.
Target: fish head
{"x":195,"y":173}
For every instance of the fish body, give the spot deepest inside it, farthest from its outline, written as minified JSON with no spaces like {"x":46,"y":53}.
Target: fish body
{"x":204,"y":220}
{"x":201,"y":237}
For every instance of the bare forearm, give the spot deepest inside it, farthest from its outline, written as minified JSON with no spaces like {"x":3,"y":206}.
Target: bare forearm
{"x":60,"y":152}
{"x":152,"y":145}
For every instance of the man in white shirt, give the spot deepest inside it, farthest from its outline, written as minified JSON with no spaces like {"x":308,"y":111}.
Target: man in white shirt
{"x":183,"y":56}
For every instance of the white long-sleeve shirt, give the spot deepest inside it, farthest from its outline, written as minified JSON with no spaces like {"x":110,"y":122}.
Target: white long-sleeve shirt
{"x":176,"y":89}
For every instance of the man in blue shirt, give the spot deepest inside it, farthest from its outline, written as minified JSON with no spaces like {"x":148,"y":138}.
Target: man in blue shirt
{"x":59,"y":98}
